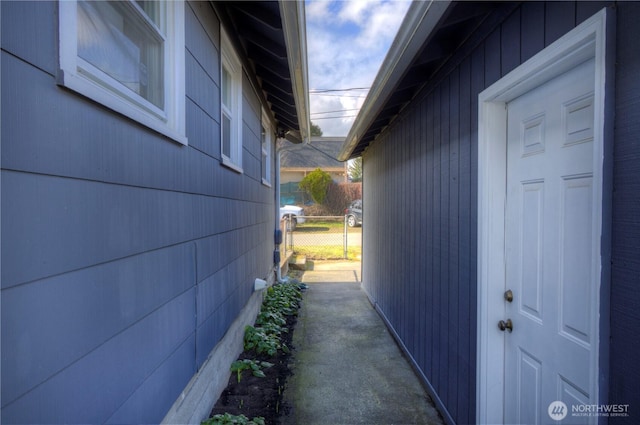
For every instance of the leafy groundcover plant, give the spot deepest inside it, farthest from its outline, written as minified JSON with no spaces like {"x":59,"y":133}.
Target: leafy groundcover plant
{"x":255,"y":397}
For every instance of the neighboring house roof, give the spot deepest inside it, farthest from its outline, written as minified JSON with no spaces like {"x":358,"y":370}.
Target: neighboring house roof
{"x":430,"y":33}
{"x":273,"y":38}
{"x":321,"y":152}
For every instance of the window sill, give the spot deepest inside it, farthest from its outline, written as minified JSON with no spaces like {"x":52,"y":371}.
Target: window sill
{"x":87,"y":88}
{"x":235,"y":167}
{"x":266,"y":183}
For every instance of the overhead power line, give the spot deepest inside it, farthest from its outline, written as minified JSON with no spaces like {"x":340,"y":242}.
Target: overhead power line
{"x":333,"y":112}
{"x":338,"y":95}
{"x":330,"y":118}
{"x":315,"y":91}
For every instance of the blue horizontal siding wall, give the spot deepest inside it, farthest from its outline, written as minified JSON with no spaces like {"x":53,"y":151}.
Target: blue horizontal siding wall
{"x":420,"y":212}
{"x":125,"y":256}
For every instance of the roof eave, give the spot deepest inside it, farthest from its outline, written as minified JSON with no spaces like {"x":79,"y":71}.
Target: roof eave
{"x":420,"y":22}
{"x":294,"y":26}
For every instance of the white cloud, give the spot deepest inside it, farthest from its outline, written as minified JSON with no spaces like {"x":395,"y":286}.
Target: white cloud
{"x":347,"y":41}
{"x":383,"y":25}
{"x":355,"y":11}
{"x":317,"y":10}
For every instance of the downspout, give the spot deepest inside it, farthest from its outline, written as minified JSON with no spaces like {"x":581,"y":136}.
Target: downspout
{"x":276,"y":253}
{"x":280,"y":147}
{"x":294,"y":27}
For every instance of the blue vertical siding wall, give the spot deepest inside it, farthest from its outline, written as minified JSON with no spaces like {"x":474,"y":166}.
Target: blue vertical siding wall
{"x":625,"y":261}
{"x":125,"y":256}
{"x":420,"y":204}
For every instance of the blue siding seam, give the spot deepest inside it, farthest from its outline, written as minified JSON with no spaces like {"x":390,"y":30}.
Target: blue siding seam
{"x":204,"y":111}
{"x":235,"y":290}
{"x":136,"y":186}
{"x":195,"y":148}
{"x":202,"y":23}
{"x":204,"y":67}
{"x":240,"y":255}
{"x":151,"y":373}
{"x":253,"y":156}
{"x":215,"y":83}
{"x":102,"y":263}
{"x":232,"y":263}
{"x":21,"y":59}
{"x":90,"y":351}
{"x":231,"y":198}
{"x":195,"y":301}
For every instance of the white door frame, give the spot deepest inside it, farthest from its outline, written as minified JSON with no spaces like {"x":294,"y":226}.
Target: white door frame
{"x":586,"y":41}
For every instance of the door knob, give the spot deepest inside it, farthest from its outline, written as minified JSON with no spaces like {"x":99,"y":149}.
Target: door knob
{"x":508,"y":295}
{"x":505,"y":325}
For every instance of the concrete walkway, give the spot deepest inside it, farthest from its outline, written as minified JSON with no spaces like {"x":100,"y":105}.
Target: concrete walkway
{"x":347,"y":368}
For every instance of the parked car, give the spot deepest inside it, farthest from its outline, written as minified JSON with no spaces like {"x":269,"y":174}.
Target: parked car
{"x":354,"y":213}
{"x":294,"y":214}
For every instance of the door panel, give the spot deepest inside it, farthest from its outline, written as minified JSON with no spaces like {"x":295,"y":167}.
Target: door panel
{"x":531,"y":229}
{"x":530,"y":387}
{"x":575,"y":254}
{"x":549,"y":247}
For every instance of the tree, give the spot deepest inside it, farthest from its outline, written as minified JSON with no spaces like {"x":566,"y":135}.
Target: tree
{"x":355,"y":170}
{"x":316,"y":184}
{"x":316,"y":130}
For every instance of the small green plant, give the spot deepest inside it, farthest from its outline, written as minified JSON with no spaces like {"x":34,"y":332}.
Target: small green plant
{"x":282,"y":299}
{"x":255,"y":366}
{"x":268,"y":316}
{"x":273,"y":329}
{"x":228,"y":419}
{"x":279,"y":301}
{"x":262,"y":342}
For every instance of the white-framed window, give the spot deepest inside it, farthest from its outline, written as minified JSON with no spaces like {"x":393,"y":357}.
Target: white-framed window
{"x":128,"y":56}
{"x":231,"y":105}
{"x":266,"y":150}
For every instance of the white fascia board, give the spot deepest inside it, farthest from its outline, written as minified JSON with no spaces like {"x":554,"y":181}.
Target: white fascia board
{"x":294,"y":27}
{"x":419,"y":23}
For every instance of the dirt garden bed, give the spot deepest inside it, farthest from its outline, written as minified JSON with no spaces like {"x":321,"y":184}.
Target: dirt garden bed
{"x":254,"y":391}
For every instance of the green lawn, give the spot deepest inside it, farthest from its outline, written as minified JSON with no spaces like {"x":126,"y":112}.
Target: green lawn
{"x":327,"y":252}
{"x":311,"y":226}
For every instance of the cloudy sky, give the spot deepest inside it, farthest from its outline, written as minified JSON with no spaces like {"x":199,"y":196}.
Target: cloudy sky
{"x":346,"y":43}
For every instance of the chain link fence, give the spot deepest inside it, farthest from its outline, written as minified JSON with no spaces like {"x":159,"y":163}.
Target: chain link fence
{"x":321,"y":238}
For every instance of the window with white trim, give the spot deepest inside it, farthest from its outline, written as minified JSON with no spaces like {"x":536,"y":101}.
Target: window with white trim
{"x":266,"y":150}
{"x":128,"y":56}
{"x":231,"y":105}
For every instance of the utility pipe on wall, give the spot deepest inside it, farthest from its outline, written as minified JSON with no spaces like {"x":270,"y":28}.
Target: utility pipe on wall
{"x":280,"y":147}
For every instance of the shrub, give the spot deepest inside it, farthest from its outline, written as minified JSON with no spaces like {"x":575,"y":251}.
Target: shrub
{"x":340,"y":195}
{"x":315,"y":184}
{"x":317,"y":210}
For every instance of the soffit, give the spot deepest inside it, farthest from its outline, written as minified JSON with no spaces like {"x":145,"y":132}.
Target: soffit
{"x":455,"y":27}
{"x":258,"y":27}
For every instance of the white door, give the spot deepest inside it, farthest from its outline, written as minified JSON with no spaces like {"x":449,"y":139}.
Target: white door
{"x":549,"y":249}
